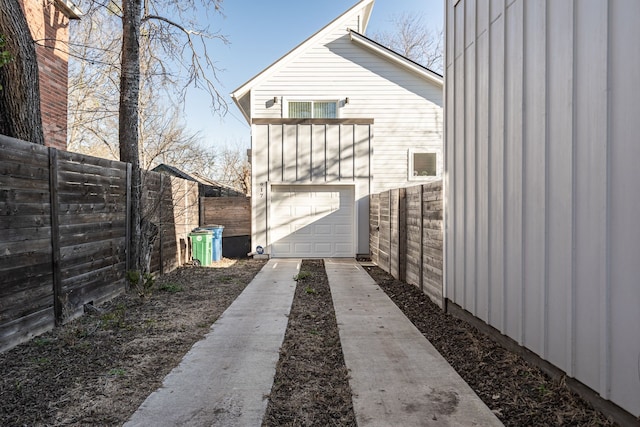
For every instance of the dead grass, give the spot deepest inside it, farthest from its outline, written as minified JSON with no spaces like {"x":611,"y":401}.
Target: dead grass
{"x":99,"y":368}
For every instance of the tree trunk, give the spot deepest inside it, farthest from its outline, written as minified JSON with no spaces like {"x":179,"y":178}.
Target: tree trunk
{"x":128,"y":121}
{"x":20,"y":115}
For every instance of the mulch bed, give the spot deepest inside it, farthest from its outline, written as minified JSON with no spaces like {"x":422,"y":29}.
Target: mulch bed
{"x":518,"y":393}
{"x":311,"y":386}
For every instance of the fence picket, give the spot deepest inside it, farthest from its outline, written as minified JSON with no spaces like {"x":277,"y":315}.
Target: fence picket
{"x":406,"y":236}
{"x":65,"y":222}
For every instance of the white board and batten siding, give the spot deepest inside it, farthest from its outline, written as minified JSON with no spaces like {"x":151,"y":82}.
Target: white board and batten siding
{"x":542,"y":157}
{"x":310,"y":186}
{"x":407,"y":110}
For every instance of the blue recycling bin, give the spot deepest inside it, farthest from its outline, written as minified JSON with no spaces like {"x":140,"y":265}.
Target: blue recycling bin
{"x":216,"y":240}
{"x":216,"y":253}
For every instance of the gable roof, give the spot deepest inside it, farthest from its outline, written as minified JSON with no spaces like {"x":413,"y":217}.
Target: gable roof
{"x":362,"y":9}
{"x":220,"y":188}
{"x":394,"y":56}
{"x":172,"y":170}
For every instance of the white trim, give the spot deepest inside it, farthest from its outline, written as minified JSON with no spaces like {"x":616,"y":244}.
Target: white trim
{"x":286,"y":99}
{"x":410,"y":154}
{"x":69,"y":9}
{"x":362,"y":8}
{"x":395,"y":58}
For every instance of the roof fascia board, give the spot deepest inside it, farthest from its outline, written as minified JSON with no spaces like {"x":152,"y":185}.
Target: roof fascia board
{"x":395,"y":57}
{"x":364,"y":5}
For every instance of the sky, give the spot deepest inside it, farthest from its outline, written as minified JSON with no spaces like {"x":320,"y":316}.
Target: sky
{"x":259,"y":33}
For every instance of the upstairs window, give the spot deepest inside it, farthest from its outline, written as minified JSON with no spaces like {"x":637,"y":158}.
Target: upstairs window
{"x":422,"y":164}
{"x":312,"y":109}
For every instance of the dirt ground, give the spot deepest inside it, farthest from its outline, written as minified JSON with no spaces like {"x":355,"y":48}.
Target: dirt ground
{"x":518,"y":393}
{"x":311,"y":386}
{"x":97,"y":369}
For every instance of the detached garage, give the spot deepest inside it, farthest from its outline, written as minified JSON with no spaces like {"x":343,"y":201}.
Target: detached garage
{"x":310,"y":187}
{"x":312,"y":221}
{"x":314,"y":157}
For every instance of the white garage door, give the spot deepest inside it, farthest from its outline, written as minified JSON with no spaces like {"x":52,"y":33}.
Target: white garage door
{"x":312,"y":221}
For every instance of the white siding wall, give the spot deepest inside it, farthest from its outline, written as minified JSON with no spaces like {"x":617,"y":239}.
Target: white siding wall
{"x":407,"y":110}
{"x":542,"y":173}
{"x":332,"y":154}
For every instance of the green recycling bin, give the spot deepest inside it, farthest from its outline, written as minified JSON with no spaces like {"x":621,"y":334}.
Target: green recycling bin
{"x":201,"y":247}
{"x":216,"y":240}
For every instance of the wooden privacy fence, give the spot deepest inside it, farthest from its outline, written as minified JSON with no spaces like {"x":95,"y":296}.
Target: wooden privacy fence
{"x":234,"y":213}
{"x":63,"y":233}
{"x":406,"y":238}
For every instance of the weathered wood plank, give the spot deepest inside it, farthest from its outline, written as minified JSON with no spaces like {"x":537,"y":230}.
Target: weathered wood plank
{"x":71,"y":179}
{"x":24,"y":303}
{"x":14,"y":251}
{"x":112,"y":271}
{"x":88,"y":197}
{"x":91,"y":252}
{"x":67,"y":157}
{"x":92,"y":218}
{"x":22,"y":329}
{"x":23,"y":183}
{"x":31,"y":273}
{"x":25,"y":221}
{"x":11,"y":146}
{"x":24,"y":196}
{"x":19,"y":209}
{"x":234,"y":213}
{"x":76,"y":235}
{"x":24,"y":170}
{"x":119,"y":171}
{"x":90,"y":268}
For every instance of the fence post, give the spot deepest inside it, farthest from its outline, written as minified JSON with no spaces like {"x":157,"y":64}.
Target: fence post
{"x":55,"y":235}
{"x":160,"y":224}
{"x":402,"y":234}
{"x":421,"y":216}
{"x":127,"y":244}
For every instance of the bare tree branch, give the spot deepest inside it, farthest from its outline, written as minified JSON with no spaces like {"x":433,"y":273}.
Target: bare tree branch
{"x":412,"y":38}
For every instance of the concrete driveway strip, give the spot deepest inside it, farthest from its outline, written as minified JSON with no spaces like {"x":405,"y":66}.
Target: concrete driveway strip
{"x":397,"y":377}
{"x":224,"y":379}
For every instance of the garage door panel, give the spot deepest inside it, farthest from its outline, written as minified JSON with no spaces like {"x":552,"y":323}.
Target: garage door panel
{"x":301,"y":211}
{"x":323,"y":229}
{"x":342,"y":229}
{"x":302,"y":230}
{"x":312,"y":221}
{"x":281,"y":209}
{"x":281,"y":247}
{"x":304,"y":248}
{"x":343,"y":247}
{"x":322,"y":248}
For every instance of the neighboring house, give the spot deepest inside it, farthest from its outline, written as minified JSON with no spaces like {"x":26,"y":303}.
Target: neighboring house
{"x":315,"y":160}
{"x":49,"y":25}
{"x":206,"y":186}
{"x":542,"y":235}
